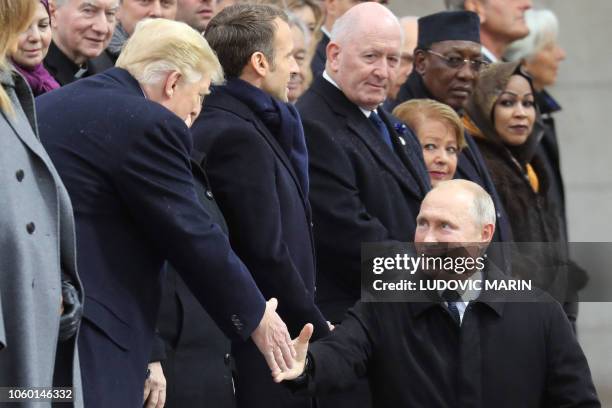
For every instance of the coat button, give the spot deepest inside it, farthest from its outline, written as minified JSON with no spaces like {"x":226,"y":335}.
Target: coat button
{"x":30,"y":228}
{"x":311,"y":224}
{"x":20,"y":175}
{"x":227,"y":359}
{"x":209,"y":194}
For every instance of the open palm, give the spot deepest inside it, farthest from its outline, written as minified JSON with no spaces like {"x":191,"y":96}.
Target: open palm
{"x":301,"y":347}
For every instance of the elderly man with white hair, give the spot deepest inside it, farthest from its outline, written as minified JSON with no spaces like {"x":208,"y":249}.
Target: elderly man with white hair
{"x":81,"y":31}
{"x":366,"y":180}
{"x":474,"y":348}
{"x":122,"y":146}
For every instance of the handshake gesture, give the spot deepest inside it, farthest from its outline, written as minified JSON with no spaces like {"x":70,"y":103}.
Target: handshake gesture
{"x":300,"y":345}
{"x":285,"y":357}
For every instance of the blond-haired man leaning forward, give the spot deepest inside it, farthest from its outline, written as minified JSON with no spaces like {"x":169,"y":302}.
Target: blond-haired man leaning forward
{"x":122,"y":146}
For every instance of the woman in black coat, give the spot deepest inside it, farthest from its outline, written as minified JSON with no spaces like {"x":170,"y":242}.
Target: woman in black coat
{"x":503,"y":117}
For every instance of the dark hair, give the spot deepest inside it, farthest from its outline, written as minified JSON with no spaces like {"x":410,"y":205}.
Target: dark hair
{"x":240,"y":30}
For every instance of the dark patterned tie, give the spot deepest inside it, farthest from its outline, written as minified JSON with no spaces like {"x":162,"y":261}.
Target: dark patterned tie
{"x":452,"y":297}
{"x":382,"y":128}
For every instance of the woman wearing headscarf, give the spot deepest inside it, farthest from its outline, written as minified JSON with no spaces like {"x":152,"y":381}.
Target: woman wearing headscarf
{"x":32,"y":47}
{"x":502,"y":116}
{"x":541,"y":56}
{"x":39,"y":288}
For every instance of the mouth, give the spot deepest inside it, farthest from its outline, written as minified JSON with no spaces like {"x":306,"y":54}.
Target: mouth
{"x":438,"y":175}
{"x":519,"y":129}
{"x":32,"y":52}
{"x":377,"y":87}
{"x":463,"y":93}
{"x":95,"y":41}
{"x":205,"y":12}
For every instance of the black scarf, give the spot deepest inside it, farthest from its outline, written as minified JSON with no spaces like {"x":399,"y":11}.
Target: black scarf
{"x":282,"y":120}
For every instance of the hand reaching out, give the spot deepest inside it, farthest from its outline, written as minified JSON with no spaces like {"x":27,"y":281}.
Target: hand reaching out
{"x":301,"y":348}
{"x":273,"y":340}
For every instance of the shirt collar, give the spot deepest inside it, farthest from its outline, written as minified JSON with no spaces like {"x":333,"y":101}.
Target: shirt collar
{"x":471,"y":293}
{"x":325,"y":31}
{"x":489,"y":55}
{"x":329,"y":79}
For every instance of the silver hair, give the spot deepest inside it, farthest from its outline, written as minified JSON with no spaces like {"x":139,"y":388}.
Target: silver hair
{"x":295,"y":21}
{"x":543,"y":27}
{"x":344,"y":28}
{"x":482,"y":209}
{"x":455,"y":4}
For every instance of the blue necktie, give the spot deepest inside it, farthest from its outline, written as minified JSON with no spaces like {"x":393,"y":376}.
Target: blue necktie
{"x":382,"y":128}
{"x":452,"y":297}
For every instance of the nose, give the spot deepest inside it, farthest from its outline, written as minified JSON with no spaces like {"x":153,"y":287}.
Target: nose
{"x":34,"y":34}
{"x":527,"y":4}
{"x":382,"y":68}
{"x":429,"y":236}
{"x":441,"y":157}
{"x":155,"y":10}
{"x":295,"y":67}
{"x":520,"y":111}
{"x":101,"y":24}
{"x":561,"y":53}
{"x":466,"y":72}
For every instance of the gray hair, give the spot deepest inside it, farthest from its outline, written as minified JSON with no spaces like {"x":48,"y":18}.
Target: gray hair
{"x":543,"y":27}
{"x":295,"y":21}
{"x":482,"y":208}
{"x":455,"y":4}
{"x":345,"y":27}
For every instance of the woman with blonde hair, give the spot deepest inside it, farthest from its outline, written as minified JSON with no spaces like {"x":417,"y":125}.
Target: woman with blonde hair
{"x":32,"y":47}
{"x":39,"y":288}
{"x":440,"y":133}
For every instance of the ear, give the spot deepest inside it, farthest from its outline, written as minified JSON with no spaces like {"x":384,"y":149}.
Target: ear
{"x":477,"y":7}
{"x":420,"y":62}
{"x":52,"y":14}
{"x":333,"y":56}
{"x":259,"y":64}
{"x":487,"y":232}
{"x":170,"y":84}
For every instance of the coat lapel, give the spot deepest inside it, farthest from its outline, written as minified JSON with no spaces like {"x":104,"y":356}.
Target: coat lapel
{"x":236,"y":106}
{"x":365,"y":131}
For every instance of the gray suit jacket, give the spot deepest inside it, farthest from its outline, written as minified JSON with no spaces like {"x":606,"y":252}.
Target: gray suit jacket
{"x":37,"y":241}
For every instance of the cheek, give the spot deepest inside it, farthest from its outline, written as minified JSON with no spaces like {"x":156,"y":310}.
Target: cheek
{"x":21,"y":42}
{"x":500,"y":117}
{"x":169,"y":14}
{"x":46,"y":38}
{"x":429,"y":157}
{"x":452,"y":164}
{"x":531,"y":115}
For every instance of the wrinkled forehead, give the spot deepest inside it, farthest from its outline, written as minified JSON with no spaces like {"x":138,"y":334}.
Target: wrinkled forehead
{"x":102,"y":4}
{"x":468,"y":49}
{"x":448,"y":203}
{"x":387,"y":40}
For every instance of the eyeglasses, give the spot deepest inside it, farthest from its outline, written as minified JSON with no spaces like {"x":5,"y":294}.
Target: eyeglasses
{"x":457,"y":63}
